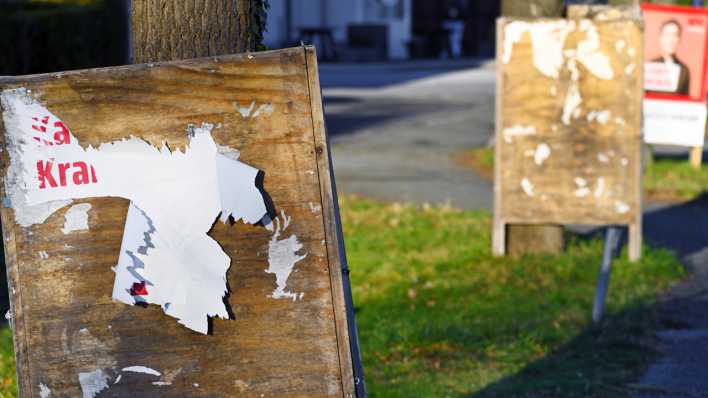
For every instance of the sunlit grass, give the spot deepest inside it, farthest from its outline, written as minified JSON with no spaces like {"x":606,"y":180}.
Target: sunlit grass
{"x":8,"y":387}
{"x":675,"y":179}
{"x":664,"y":179}
{"x":439,"y":316}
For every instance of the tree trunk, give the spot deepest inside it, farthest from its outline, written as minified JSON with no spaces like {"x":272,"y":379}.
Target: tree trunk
{"x":166,"y":30}
{"x":533,"y":238}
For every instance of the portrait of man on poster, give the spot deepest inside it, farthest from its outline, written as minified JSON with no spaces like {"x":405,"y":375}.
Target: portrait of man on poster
{"x":669,"y":40}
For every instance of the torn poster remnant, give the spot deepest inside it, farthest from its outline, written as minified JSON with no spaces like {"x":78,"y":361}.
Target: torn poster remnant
{"x":166,"y":256}
{"x":93,"y":383}
{"x":282,"y":256}
{"x":76,"y":218}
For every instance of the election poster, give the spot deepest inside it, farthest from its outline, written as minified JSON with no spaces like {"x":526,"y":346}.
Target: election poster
{"x":675,"y":65}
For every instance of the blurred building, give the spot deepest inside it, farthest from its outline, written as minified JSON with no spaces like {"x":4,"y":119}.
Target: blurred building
{"x":375,"y":30}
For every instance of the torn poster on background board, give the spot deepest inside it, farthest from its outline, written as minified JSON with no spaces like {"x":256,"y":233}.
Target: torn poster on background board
{"x":166,"y":256}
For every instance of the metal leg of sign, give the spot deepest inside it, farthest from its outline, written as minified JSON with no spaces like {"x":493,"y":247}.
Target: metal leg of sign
{"x":612,"y":239}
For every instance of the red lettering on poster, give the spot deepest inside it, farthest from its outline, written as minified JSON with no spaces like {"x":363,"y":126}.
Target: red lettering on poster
{"x":44,"y":171}
{"x":60,"y":135}
{"x":81,"y":174}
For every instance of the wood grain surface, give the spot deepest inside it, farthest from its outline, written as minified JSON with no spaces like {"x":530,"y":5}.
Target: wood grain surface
{"x":559,"y":161}
{"x":65,"y":320}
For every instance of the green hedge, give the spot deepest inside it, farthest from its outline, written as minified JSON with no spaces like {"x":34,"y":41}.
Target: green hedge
{"x":42,"y":37}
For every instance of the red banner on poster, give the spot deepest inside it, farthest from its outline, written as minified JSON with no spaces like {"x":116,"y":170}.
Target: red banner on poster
{"x":675,"y":68}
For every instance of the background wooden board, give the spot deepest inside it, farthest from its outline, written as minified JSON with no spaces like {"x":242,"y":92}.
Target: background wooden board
{"x":601,"y":152}
{"x":65,"y":319}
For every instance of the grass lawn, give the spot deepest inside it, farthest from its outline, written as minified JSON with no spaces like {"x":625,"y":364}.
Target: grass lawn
{"x":664,"y":179}
{"x":7,"y":364}
{"x":675,"y":179}
{"x":440,"y":317}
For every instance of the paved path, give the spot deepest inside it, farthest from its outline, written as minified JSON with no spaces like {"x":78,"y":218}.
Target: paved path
{"x":395,"y":129}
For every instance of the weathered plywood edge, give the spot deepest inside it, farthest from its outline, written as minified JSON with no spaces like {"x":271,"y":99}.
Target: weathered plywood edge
{"x":19,"y":323}
{"x":498,"y":227}
{"x":330,"y":220}
{"x":635,"y":230}
{"x":603,"y":12}
{"x":112,"y":70}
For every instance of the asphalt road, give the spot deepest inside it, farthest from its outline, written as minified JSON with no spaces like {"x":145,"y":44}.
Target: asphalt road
{"x":395,"y":129}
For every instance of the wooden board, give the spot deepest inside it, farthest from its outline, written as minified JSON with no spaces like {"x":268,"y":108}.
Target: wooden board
{"x":65,"y":320}
{"x":568,"y":124}
{"x":603,"y":12}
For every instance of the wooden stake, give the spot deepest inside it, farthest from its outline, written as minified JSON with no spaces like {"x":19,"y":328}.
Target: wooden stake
{"x":696,"y":156}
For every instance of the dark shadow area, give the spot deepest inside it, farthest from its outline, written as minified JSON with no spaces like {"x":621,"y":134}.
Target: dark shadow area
{"x":678,"y":155}
{"x":600,"y":362}
{"x":681,"y":228}
{"x":40,"y":37}
{"x":267,"y":200}
{"x":380,"y":75}
{"x":361,"y":115}
{"x":349,"y":122}
{"x":623,"y":346}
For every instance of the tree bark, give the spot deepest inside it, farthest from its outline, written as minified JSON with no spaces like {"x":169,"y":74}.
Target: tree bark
{"x":166,"y":30}
{"x":533,"y":238}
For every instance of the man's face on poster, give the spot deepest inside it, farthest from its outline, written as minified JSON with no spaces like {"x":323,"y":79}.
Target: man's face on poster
{"x":669,"y":38}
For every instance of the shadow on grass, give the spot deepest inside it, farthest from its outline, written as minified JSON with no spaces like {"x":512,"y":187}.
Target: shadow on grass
{"x":601,"y":361}
{"x":607,"y":360}
{"x":682,"y":156}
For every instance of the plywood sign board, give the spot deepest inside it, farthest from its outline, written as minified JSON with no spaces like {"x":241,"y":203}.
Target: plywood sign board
{"x":568,"y":124}
{"x":124,"y":279}
{"x":603,"y":12}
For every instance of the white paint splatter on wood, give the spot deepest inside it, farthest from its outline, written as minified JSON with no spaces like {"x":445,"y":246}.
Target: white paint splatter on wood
{"x":527,"y":186}
{"x":621,"y":207}
{"x":44,"y":391}
{"x":619,"y":45}
{"x":601,"y":117}
{"x":252,"y":112}
{"x":572,"y":102}
{"x":629,"y":69}
{"x":600,"y":187}
{"x":547,"y":40}
{"x":76,"y":218}
{"x":245,"y":111}
{"x":93,"y":383}
{"x":282,"y":257}
{"x":582,"y":189}
{"x":142,"y":369}
{"x":543,"y":151}
{"x":517,"y":131}
{"x":315,"y":208}
{"x":266,"y":109}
